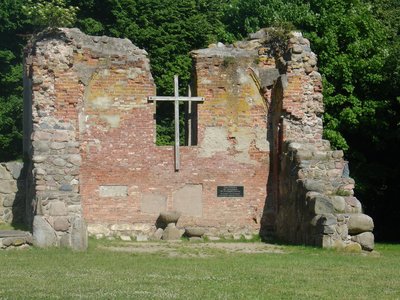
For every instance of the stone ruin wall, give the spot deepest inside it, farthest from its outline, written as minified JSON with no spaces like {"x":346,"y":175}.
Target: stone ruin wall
{"x":93,"y":143}
{"x":94,"y":158}
{"x":51,"y":142}
{"x":315,"y":203}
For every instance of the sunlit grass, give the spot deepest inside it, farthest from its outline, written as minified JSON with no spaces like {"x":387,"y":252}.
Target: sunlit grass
{"x":297,"y":273}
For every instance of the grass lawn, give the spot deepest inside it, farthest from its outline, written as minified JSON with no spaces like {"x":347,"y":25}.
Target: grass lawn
{"x":110,"y":270}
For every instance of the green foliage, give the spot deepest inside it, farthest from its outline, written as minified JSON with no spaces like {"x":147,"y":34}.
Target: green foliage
{"x":10,"y":127}
{"x":358,"y":46}
{"x":165,"y":124}
{"x":243,"y":17}
{"x":168,"y":30}
{"x":12,"y":26}
{"x":350,"y":44}
{"x":53,"y":13}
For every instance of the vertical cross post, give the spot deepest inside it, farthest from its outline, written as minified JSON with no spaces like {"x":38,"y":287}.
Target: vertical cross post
{"x":176,"y":100}
{"x":177,"y":135}
{"x":189,"y":117}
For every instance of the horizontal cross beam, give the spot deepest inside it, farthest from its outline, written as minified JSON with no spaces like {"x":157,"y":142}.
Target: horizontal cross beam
{"x":171,"y":98}
{"x":176,"y":98}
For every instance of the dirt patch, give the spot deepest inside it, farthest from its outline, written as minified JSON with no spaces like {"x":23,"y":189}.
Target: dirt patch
{"x":187,"y":249}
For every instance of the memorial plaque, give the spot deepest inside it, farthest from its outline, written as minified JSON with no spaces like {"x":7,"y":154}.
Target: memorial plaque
{"x":231,"y":191}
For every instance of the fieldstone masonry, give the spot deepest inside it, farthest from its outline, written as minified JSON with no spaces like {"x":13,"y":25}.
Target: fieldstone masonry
{"x":12,"y":193}
{"x":312,"y":197}
{"x":92,"y":158}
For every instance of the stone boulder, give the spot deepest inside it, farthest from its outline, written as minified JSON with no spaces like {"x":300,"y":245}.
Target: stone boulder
{"x":353,"y":247}
{"x":194,"y":231}
{"x":14,"y":238}
{"x":365,"y":239}
{"x":43,"y":234}
{"x":79,"y":234}
{"x":166,"y":218}
{"x":15,"y":168}
{"x":359,"y":223}
{"x":171,"y":233}
{"x":319,"y":204}
{"x":157,"y":235}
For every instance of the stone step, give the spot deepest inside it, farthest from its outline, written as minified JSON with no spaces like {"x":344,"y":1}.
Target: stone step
{"x":15,"y":239}
{"x":13,"y":233}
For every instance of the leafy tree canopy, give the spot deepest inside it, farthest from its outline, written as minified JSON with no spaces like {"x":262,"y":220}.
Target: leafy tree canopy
{"x":53,"y":13}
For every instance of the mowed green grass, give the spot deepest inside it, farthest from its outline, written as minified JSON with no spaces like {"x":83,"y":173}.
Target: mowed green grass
{"x":297,"y":273}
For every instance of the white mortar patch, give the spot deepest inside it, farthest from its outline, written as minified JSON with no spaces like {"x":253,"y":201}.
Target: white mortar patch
{"x":112,"y":120}
{"x":101,"y":102}
{"x":215,"y":140}
{"x":188,"y":200}
{"x":113,"y":191}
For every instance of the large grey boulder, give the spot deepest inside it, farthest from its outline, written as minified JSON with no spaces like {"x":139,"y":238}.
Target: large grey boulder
{"x":365,"y":239}
{"x":268,"y":77}
{"x":171,"y":233}
{"x":194,"y":231}
{"x":43,"y":234}
{"x":319,"y":204}
{"x":166,"y":218}
{"x":359,"y":223}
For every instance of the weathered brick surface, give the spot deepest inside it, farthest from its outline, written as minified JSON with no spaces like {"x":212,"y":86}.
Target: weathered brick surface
{"x":129,"y":156}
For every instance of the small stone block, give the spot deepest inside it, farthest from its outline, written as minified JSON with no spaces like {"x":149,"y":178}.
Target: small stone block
{"x":142,"y":238}
{"x":113,"y":191}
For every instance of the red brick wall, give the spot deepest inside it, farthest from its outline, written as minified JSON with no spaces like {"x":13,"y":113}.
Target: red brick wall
{"x":126,"y":155}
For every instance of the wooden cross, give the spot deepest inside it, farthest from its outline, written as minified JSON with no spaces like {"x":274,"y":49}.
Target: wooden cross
{"x":176,"y":100}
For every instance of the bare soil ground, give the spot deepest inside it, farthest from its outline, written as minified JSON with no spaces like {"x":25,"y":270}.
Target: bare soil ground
{"x":191,"y":249}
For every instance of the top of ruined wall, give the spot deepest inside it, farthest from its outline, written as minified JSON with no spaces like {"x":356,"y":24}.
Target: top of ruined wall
{"x":100,"y":45}
{"x":222,"y":50}
{"x":286,"y":73}
{"x":54,"y":48}
{"x":277,"y":53}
